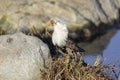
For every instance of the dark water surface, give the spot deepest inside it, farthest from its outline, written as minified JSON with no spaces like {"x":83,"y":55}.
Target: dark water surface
{"x":111,"y":54}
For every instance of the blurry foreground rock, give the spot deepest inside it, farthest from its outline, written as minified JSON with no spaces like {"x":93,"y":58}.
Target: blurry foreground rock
{"x":22,"y":57}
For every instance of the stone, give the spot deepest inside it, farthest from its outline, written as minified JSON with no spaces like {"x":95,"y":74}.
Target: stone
{"x":22,"y":57}
{"x":77,"y":14}
{"x":29,"y":13}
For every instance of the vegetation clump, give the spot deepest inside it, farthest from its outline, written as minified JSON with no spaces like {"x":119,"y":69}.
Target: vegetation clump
{"x":70,"y":66}
{"x":67,"y":69}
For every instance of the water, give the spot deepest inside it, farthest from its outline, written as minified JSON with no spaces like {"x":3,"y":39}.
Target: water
{"x":111,"y":54}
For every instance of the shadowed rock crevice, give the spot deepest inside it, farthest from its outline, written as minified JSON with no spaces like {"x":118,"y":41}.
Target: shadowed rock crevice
{"x":99,"y":7}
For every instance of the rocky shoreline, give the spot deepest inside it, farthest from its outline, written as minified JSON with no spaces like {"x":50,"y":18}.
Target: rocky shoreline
{"x":23,"y":56}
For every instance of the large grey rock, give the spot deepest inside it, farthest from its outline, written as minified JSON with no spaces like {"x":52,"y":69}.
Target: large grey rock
{"x":78,"y":13}
{"x":22,"y":57}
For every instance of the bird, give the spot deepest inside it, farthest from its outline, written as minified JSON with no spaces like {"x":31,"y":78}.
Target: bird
{"x":60,"y":36}
{"x":63,"y":44}
{"x":60,"y":32}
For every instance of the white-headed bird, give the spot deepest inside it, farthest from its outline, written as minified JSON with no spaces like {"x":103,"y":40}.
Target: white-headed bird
{"x":60,"y":37}
{"x":60,"y":32}
{"x":61,"y":42}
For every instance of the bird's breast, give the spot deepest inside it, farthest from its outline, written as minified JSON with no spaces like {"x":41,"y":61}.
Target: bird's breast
{"x":59,"y":37}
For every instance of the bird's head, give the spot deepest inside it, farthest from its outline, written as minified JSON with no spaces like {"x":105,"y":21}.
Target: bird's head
{"x":56,"y":23}
{"x":60,"y":32}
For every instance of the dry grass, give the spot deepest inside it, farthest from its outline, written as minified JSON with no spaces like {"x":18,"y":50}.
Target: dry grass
{"x":71,"y":67}
{"x":67,"y":69}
